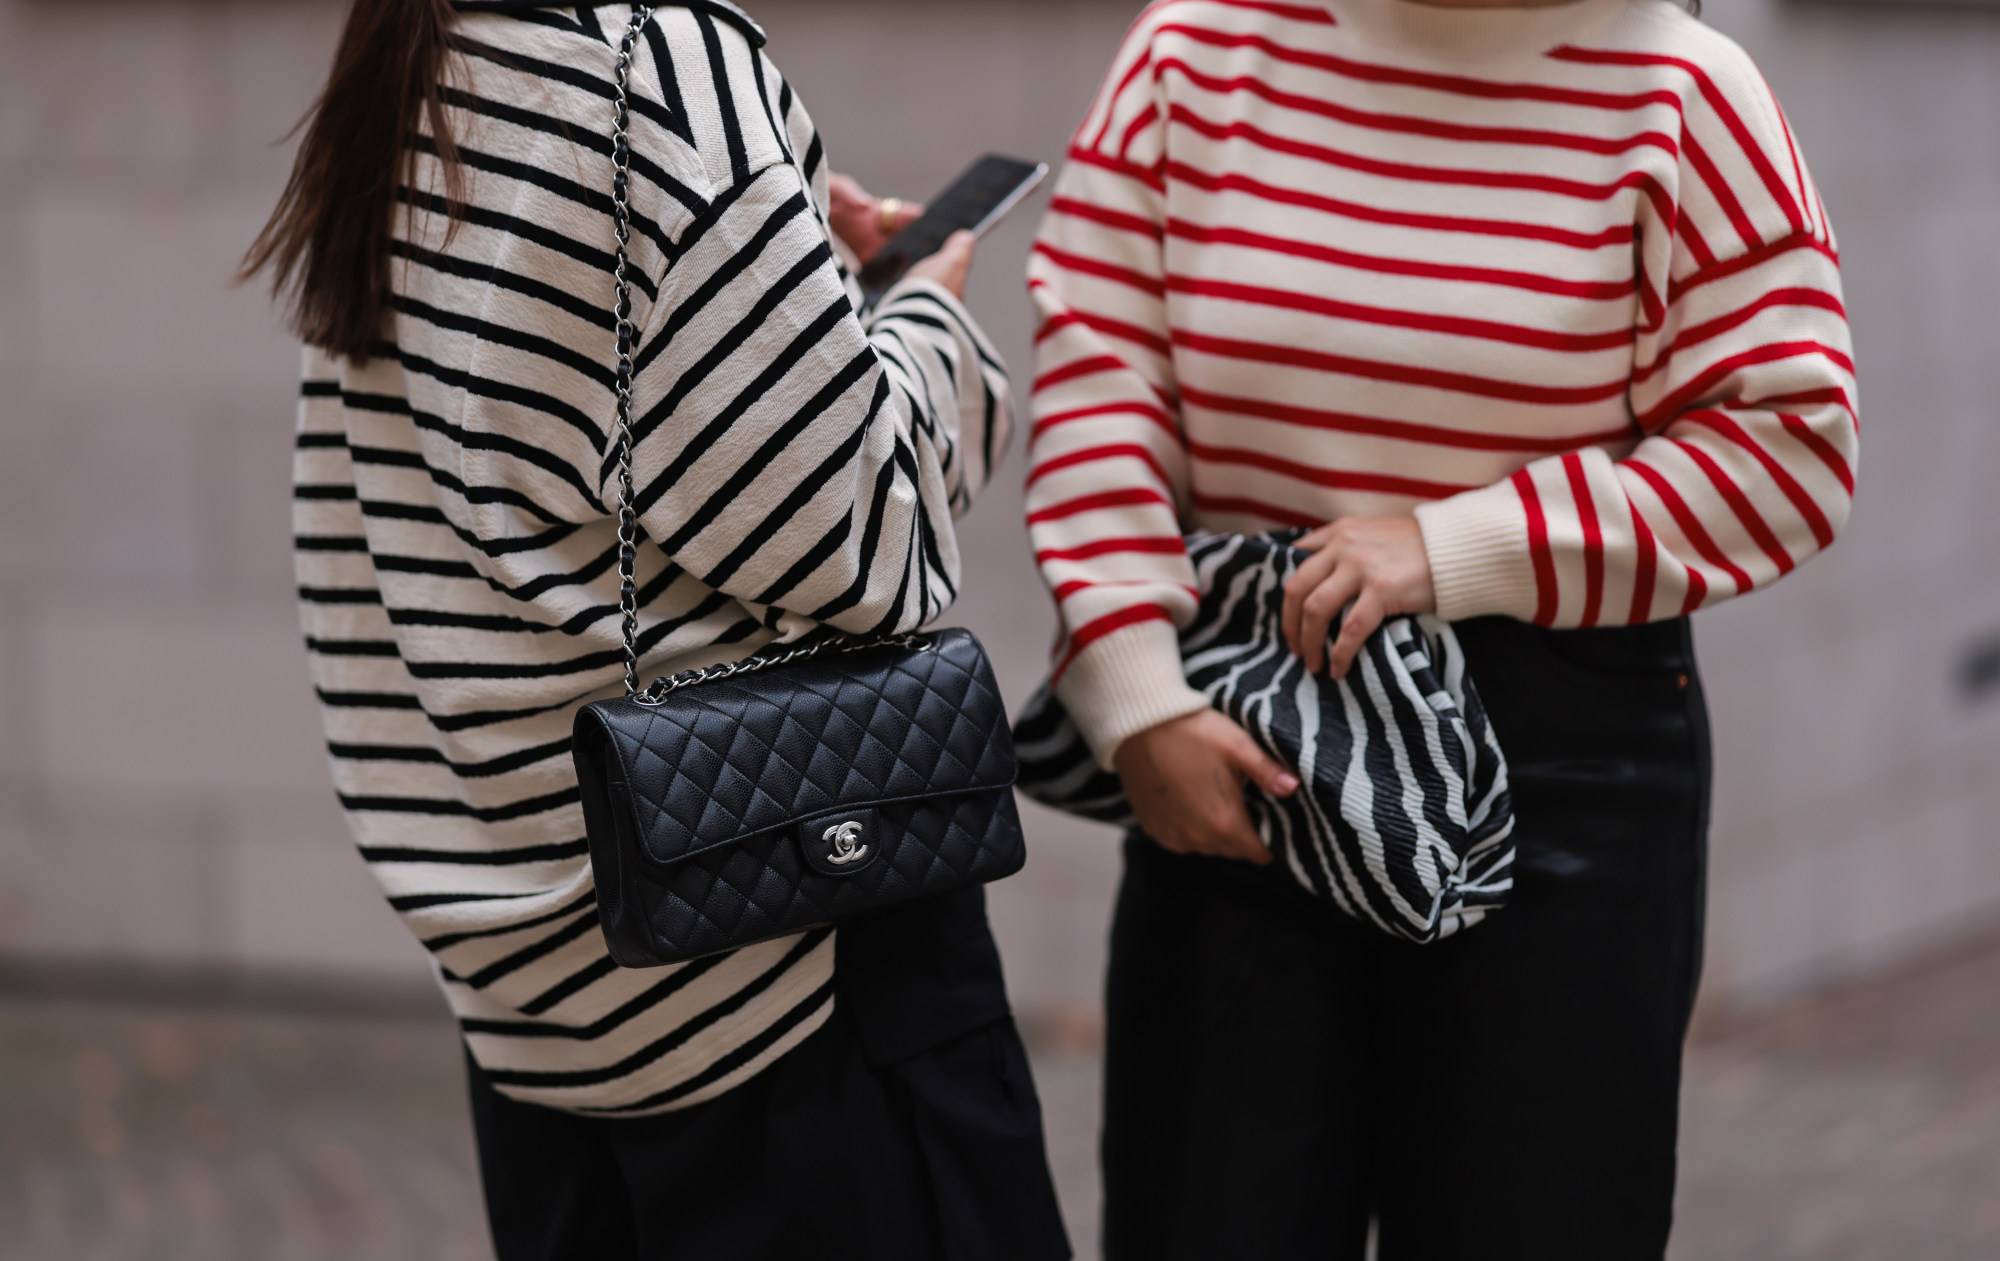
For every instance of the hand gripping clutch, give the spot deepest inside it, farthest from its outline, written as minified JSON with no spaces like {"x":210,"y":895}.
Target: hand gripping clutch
{"x":784,"y":793}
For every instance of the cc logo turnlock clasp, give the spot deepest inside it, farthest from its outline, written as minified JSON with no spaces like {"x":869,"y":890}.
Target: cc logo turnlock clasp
{"x":845,"y":838}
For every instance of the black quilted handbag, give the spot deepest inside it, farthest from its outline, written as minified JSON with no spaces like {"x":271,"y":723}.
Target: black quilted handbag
{"x":795,"y":788}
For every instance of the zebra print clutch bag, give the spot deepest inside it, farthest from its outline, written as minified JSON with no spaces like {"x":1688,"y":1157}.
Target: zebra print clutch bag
{"x":1404,"y":821}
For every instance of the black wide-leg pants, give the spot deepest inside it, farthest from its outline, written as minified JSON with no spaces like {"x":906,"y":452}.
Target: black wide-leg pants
{"x":1278,"y":1075}
{"x":906,"y":1129}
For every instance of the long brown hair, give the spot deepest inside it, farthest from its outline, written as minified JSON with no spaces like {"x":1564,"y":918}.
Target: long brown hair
{"x":327,"y":245}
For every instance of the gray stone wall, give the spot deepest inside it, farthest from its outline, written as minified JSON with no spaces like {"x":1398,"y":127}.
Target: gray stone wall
{"x":163,"y":796}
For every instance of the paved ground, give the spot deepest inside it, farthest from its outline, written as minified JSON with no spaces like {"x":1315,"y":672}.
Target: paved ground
{"x":1863,"y":1127}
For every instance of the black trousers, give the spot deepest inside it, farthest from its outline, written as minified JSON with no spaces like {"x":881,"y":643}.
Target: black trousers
{"x":1278,"y":1075}
{"x":907,"y":1129}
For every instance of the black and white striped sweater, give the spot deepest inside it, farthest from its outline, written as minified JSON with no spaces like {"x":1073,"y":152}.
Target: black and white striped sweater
{"x":797,"y":465}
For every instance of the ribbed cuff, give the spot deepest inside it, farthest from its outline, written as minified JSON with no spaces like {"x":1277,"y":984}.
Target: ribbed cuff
{"x":1478,"y":547}
{"x":1128,"y":682}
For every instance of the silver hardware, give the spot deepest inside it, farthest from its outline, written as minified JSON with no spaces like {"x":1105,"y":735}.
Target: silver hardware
{"x":628,"y":338}
{"x":628,"y":517}
{"x":663,"y":688}
{"x":844,"y":838}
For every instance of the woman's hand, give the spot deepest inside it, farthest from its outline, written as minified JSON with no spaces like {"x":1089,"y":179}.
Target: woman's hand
{"x":864,"y":221}
{"x":1185,"y":781}
{"x":1376,"y":564}
{"x":951,"y":266}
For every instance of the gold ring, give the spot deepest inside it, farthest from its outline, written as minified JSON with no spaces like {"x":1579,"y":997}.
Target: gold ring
{"x":890,"y":215}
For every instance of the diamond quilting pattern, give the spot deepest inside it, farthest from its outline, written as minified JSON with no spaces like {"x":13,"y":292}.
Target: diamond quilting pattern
{"x":691,"y":801}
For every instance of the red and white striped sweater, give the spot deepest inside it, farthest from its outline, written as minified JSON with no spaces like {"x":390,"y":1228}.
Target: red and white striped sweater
{"x":1555,"y":280}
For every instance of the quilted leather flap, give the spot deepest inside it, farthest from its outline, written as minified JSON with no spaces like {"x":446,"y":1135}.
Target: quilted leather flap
{"x":734,"y":758}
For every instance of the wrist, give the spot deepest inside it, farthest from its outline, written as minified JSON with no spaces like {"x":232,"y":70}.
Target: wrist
{"x":1476,"y":546}
{"x":1128,"y":682}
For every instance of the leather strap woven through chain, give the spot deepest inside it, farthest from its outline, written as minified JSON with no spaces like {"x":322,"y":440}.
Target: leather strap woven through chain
{"x":628,"y":336}
{"x":628,"y":517}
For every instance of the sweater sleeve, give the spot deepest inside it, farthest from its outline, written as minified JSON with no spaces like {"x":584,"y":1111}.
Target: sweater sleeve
{"x":791,"y":456}
{"x":1742,"y":397}
{"x":1108,"y":462}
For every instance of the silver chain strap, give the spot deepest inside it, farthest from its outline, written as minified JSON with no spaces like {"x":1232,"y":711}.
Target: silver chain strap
{"x":628,"y":517}
{"x":628,"y":337}
{"x":663,"y":688}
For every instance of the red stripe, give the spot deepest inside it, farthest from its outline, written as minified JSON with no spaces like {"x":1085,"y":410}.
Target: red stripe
{"x":1146,"y":118}
{"x":1368,"y":369}
{"x":1819,"y":446}
{"x":1124,"y":331}
{"x":1068,"y":261}
{"x":1798,"y":167}
{"x":1697,"y":593}
{"x":1744,"y":262}
{"x":1104,"y":215}
{"x":1716,"y":101}
{"x":1683,"y":398}
{"x":1065,"y":590}
{"x":1413,"y":173}
{"x":1386,"y":317}
{"x":1105,"y":162}
{"x":1406,"y":431}
{"x":1484,"y":89}
{"x":1619,"y":235}
{"x":1242,"y":506}
{"x":1121,"y":407}
{"x":1645,"y":571}
{"x":1690,"y":524}
{"x":1334,"y":479}
{"x":1126,"y":497}
{"x":1593,"y":290}
{"x":1739,"y":503}
{"x":1723,"y":424}
{"x":1092,"y":455}
{"x":1111,"y":101}
{"x":1695,"y":335}
{"x":1090,"y":632}
{"x":1593,"y":540}
{"x":1166,"y":545}
{"x":1538,"y":549}
{"x":1295,"y":12}
{"x":1412,"y":125}
{"x":1081,"y":368}
{"x":1690,"y":236}
{"x":1725,"y":196}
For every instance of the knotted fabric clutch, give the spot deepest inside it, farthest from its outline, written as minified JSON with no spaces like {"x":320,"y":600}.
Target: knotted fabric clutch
{"x":795,"y":788}
{"x":1404,"y":820}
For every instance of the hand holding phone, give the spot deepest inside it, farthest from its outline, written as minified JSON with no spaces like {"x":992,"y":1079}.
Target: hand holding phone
{"x":975,"y":202}
{"x":951,"y":266}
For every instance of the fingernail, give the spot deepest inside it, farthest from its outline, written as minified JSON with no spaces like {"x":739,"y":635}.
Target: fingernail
{"x":1286,"y":785}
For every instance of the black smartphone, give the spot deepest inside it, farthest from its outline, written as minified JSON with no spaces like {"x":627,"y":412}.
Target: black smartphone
{"x":975,"y":202}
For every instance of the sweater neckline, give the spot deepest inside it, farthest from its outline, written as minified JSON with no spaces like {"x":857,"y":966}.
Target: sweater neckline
{"x":1469,"y":35}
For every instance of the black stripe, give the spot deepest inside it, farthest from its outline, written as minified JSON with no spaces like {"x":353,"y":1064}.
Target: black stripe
{"x":590,"y":312}
{"x":449,"y":940}
{"x":725,"y":95}
{"x":616,"y":1019}
{"x":661,"y":1047}
{"x":451,"y":808}
{"x":523,"y":230}
{"x":464,"y":770}
{"x":367,"y":700}
{"x":424,"y":901}
{"x":486,"y":976}
{"x":733,"y":1060}
{"x":575,"y":983}
{"x":478,"y":858}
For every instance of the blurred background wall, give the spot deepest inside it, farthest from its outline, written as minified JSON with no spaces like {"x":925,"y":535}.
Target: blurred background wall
{"x":163,"y":798}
